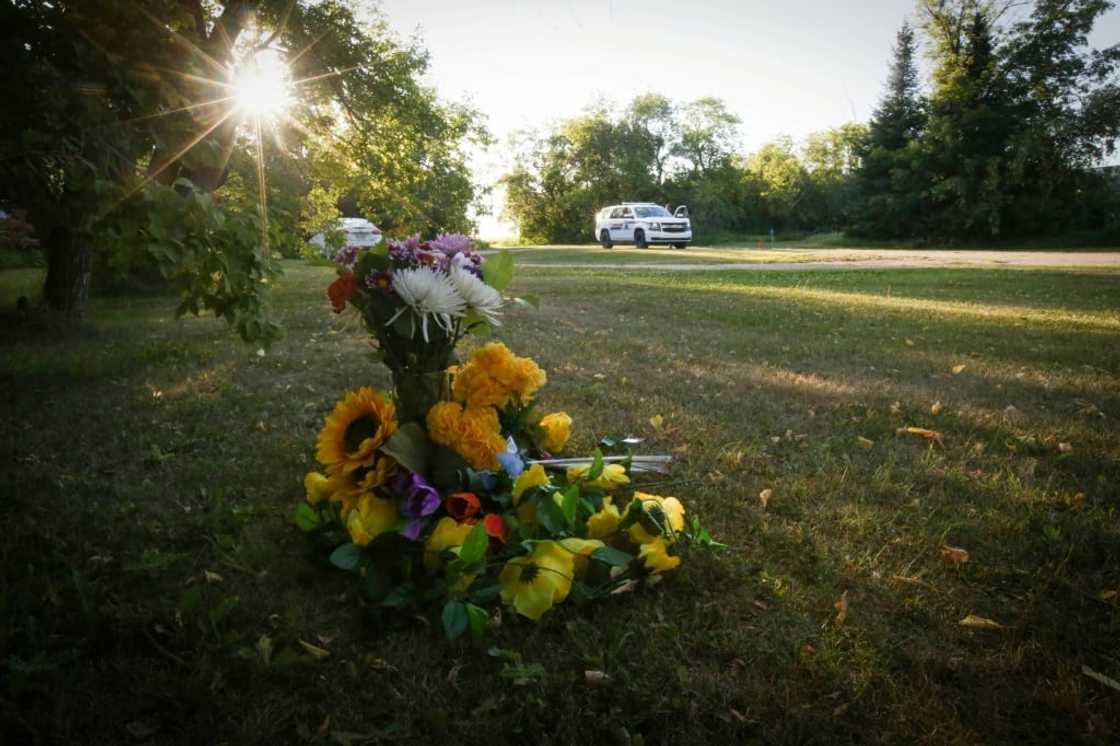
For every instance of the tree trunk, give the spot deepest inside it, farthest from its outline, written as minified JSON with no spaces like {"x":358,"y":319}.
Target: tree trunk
{"x":69,"y":269}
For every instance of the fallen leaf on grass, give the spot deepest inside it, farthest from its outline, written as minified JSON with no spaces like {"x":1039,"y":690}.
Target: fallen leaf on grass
{"x":764,"y":497}
{"x":936,"y":408}
{"x":656,"y":421}
{"x":958,"y":369}
{"x":896,"y":408}
{"x":212,"y":577}
{"x":1065,"y":448}
{"x":978,"y":622}
{"x":866,"y":443}
{"x":954,"y":555}
{"x":316,"y":652}
{"x":1106,"y":680}
{"x":841,"y":607}
{"x":1107,"y":596}
{"x":931,"y":435}
{"x":909,"y":343}
{"x":907,"y":580}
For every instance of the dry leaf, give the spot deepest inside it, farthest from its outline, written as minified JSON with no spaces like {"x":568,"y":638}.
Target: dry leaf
{"x":978,"y":449}
{"x":1106,"y":680}
{"x":955,"y":555}
{"x":656,"y":421}
{"x":626,"y":587}
{"x":896,"y":408}
{"x":595,"y":678}
{"x":1107,"y":595}
{"x":936,"y":408}
{"x":599,"y":376}
{"x":931,"y":435}
{"x":867,"y":443}
{"x":316,"y":651}
{"x":978,"y":622}
{"x":909,"y":343}
{"x":958,"y":369}
{"x":912,"y":581}
{"x":325,"y":728}
{"x":841,"y":607}
{"x":764,"y":497}
{"x":1065,"y":448}
{"x":681,"y":450}
{"x":212,"y":577}
{"x":1077,"y":502}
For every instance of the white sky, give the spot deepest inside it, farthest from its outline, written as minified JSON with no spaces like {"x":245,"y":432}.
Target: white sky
{"x":784,"y":66}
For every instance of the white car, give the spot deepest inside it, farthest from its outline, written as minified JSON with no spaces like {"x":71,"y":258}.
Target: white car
{"x":359,"y":232}
{"x":642,"y":224}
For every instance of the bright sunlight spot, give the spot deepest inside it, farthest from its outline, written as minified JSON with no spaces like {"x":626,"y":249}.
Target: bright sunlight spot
{"x":262,"y":84}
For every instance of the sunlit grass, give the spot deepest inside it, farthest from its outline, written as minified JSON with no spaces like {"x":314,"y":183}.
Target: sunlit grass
{"x":139,"y":459}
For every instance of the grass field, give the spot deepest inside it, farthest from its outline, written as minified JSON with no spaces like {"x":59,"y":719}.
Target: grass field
{"x":154,"y":590}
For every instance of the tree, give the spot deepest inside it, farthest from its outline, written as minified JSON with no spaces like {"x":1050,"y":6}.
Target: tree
{"x":832,"y":159}
{"x":119,"y":108}
{"x":654,"y":118}
{"x":708,"y":134}
{"x":889,"y":178}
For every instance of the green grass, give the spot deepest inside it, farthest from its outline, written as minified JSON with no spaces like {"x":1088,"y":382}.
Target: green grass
{"x":151,"y":452}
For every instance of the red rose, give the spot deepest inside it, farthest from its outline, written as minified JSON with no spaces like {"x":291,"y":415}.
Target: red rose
{"x":462,"y":505}
{"x":341,"y":290}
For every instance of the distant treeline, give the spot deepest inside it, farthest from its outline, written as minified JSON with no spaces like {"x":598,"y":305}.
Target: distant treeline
{"x":1001,"y":143}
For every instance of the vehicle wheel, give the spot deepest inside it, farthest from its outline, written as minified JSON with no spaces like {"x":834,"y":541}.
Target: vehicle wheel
{"x":640,"y":239}
{"x":605,"y":240}
{"x":679,"y":245}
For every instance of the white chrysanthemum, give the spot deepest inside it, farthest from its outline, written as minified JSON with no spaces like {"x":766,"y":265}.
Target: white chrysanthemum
{"x":427,"y":292}
{"x":479,"y":296}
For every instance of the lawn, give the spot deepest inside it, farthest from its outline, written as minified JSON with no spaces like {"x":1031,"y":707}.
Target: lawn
{"x":155,"y":591}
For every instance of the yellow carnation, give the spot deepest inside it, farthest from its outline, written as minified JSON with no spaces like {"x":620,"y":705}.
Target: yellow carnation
{"x":494,"y":377}
{"x":474,"y":433}
{"x":557,"y":428}
{"x":613,"y":476}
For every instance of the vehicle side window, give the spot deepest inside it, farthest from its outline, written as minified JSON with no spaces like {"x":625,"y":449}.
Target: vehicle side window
{"x":627,"y":213}
{"x":616,"y":213}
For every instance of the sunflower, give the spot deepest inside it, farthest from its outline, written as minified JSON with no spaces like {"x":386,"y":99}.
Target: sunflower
{"x":361,"y":423}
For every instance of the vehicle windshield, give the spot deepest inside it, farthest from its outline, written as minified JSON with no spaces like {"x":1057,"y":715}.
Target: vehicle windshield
{"x":651,"y":211}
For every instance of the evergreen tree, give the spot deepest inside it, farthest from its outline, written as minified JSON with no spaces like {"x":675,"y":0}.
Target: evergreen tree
{"x":888,"y":177}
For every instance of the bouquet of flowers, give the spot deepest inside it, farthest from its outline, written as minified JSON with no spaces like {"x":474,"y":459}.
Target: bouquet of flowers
{"x":448,"y":490}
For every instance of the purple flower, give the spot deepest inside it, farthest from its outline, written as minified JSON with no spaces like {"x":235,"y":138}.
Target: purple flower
{"x":453,"y":243}
{"x":347,"y":256}
{"x":403,"y":253}
{"x":379,"y":281}
{"x":418,"y":498}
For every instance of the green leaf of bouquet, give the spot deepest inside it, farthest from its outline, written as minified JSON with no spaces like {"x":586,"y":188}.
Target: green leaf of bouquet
{"x":569,"y":504}
{"x":596,"y":469}
{"x":348,"y":557}
{"x":400,"y":596}
{"x":410,"y":447}
{"x":475,"y":546}
{"x":612,"y":556}
{"x":497,"y":270}
{"x":474,"y":323}
{"x":455,"y":619}
{"x":371,"y":261}
{"x":485,"y":589}
{"x":550,"y":515}
{"x":307,"y":518}
{"x":478,"y":619}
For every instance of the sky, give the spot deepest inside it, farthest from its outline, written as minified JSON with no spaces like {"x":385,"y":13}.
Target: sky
{"x":784,"y":66}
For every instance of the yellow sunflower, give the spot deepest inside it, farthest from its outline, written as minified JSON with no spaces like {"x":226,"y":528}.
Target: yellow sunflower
{"x":361,"y":423}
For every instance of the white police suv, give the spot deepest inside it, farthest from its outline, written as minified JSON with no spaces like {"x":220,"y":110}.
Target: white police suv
{"x":642,"y":224}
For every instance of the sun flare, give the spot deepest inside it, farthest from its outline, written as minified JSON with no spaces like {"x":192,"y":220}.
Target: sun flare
{"x":262,"y":85}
